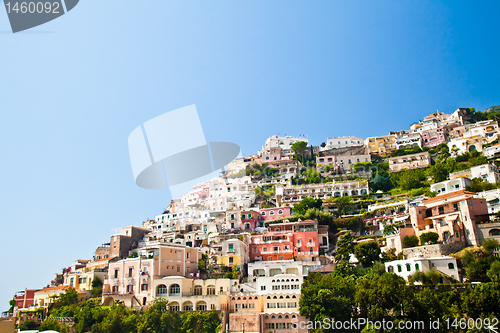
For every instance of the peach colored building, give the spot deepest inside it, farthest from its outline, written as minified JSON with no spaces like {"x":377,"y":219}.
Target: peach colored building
{"x":452,"y":215}
{"x":131,"y":280}
{"x":413,"y":161}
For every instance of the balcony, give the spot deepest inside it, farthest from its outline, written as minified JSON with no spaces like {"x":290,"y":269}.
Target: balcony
{"x":276,"y":252}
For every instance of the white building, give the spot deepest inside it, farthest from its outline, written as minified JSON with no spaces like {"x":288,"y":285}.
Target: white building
{"x":342,"y":142}
{"x":492,"y":200}
{"x":491,"y":151}
{"x":447,"y":186}
{"x":409,"y":140}
{"x":488,"y":172}
{"x":407,"y":267}
{"x":462,"y":145}
{"x":280,"y":283}
{"x":271,"y":268}
{"x":283,"y":142}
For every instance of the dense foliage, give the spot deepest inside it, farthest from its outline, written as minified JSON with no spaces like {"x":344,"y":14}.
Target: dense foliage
{"x":348,"y":294}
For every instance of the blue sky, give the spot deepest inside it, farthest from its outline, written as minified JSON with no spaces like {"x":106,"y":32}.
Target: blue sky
{"x":72,"y":90}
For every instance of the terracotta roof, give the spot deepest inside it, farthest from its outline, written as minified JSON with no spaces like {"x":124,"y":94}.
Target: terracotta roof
{"x":48,"y":289}
{"x":104,"y":259}
{"x":448,"y":195}
{"x":325,"y":269}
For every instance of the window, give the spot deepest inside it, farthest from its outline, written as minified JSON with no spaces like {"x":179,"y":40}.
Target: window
{"x":269,"y":258}
{"x":408,"y":267}
{"x":161,"y":290}
{"x":262,"y":287}
{"x":230,"y":248}
{"x":130,"y":288}
{"x":254,"y":250}
{"x":178,"y":269}
{"x":116,"y":273}
{"x":271,"y":212}
{"x":263,"y":213}
{"x":417,"y":267}
{"x":211,"y":290}
{"x":198,"y":290}
{"x":400,"y":269}
{"x":451,"y":266}
{"x":130,"y":269}
{"x":144,"y":286}
{"x":441,"y":210}
{"x":280,"y":212}
{"x":175,"y":290}
{"x":231,"y":261}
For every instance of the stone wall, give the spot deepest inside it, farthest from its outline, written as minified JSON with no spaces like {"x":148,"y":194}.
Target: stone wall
{"x":435,"y":250}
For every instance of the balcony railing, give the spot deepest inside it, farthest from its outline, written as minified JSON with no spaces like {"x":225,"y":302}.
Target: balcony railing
{"x":276,"y":252}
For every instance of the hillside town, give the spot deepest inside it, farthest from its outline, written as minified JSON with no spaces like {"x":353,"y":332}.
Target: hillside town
{"x":245,"y":244}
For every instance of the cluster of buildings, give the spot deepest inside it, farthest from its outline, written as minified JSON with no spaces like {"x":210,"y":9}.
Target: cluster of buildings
{"x":219,"y":247}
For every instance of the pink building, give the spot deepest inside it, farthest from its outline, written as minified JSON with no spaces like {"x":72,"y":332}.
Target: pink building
{"x":130,"y":280}
{"x":433,"y":137}
{"x":269,"y":214}
{"x":286,"y":241}
{"x":272,"y":155}
{"x":250,"y":220}
{"x":452,"y":215}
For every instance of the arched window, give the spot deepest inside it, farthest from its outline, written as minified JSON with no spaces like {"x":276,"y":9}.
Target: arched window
{"x":198,"y":290}
{"x":263,"y":213}
{"x":161,"y":290}
{"x":417,"y":267}
{"x":451,"y":266}
{"x":187,"y":306}
{"x":271,"y":212}
{"x":280,"y":212}
{"x":408,"y":267}
{"x":211,"y":290}
{"x":175,"y":290}
{"x":174,"y":306}
{"x":390,"y":269}
{"x":201,"y":306}
{"x":400,"y":269}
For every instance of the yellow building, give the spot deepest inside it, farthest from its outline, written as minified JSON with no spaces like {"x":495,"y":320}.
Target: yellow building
{"x":185,"y":294}
{"x":81,"y":278}
{"x":381,"y":145}
{"x":232,"y":252}
{"x":47,"y":296}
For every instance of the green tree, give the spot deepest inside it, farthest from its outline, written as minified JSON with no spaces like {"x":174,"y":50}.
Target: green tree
{"x":345,"y":246}
{"x":51,"y":324}
{"x":96,"y":287}
{"x":381,"y":182}
{"x":494,"y":271}
{"x":158,"y":318}
{"x":438,"y":172}
{"x":299,"y":148}
{"x":12,"y":304}
{"x":490,"y":245}
{"x":410,"y":241}
{"x":367,"y":253}
{"x":409,"y":179}
{"x":307,"y":203}
{"x":389,"y":255}
{"x":29,"y":324}
{"x":330,"y":296}
{"x":382,"y":297}
{"x":427,"y":237}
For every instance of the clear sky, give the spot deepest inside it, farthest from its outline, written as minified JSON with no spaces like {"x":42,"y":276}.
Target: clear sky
{"x":72,"y":90}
